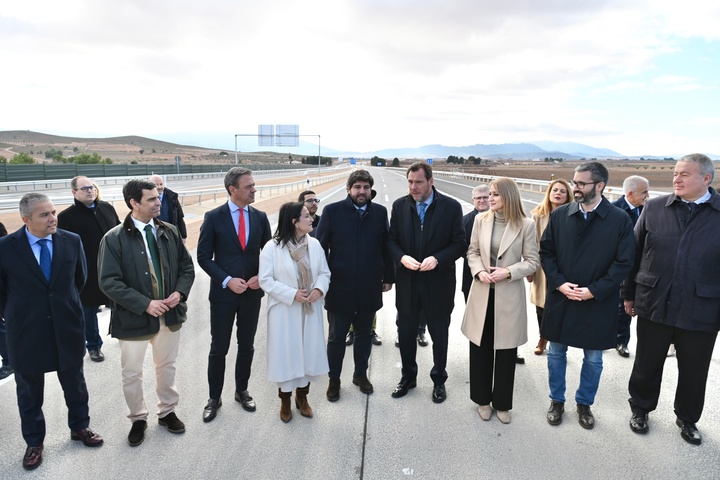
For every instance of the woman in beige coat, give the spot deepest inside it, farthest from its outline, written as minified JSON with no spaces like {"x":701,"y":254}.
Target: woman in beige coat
{"x":503,"y":251}
{"x":557,"y":193}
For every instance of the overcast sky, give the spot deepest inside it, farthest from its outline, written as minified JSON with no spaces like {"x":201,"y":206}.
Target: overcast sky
{"x":640,"y":77}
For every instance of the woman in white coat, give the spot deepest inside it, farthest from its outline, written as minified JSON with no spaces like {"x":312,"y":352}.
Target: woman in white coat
{"x":295,"y":275}
{"x":503,"y":251}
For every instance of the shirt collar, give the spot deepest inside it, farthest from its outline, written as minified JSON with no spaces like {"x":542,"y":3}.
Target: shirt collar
{"x":428,"y":200}
{"x":33,"y":239}
{"x":141,"y":226}
{"x":700,"y":200}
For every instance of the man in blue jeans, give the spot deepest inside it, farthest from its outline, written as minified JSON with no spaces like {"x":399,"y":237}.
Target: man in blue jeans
{"x":586,"y":251}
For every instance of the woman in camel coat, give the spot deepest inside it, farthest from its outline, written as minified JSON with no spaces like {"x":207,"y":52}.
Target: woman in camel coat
{"x":503,"y":251}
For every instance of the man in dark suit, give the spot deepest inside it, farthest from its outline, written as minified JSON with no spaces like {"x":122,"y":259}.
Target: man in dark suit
{"x":426,"y":238}
{"x":673,"y":290}
{"x":231,"y":237}
{"x":480,"y":197}
{"x":170,"y":209}
{"x":354,"y":235}
{"x":636,"y":190}
{"x":309,"y":198}
{"x":42,"y":270}
{"x":6,"y":369}
{"x":91,"y":219}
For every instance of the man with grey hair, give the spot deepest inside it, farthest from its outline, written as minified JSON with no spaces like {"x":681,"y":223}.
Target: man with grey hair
{"x":480,"y":198}
{"x":170,"y":209}
{"x":636,"y":189}
{"x":231,"y":237}
{"x":672,"y":288}
{"x":586,"y":253}
{"x":42,"y":270}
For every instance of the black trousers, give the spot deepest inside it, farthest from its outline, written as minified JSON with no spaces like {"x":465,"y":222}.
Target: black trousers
{"x":623,"y":334}
{"x":222,"y":319}
{"x":339,"y":325}
{"x":492,"y":372}
{"x":408,"y":323}
{"x":30,"y":395}
{"x":693,"y":353}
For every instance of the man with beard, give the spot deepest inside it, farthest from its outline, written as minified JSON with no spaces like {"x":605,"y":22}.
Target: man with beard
{"x":586,"y":253}
{"x":354,"y":234}
{"x":309,"y":198}
{"x":426,"y":238}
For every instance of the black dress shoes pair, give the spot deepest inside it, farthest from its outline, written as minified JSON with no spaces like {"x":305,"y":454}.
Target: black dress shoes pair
{"x":439,"y":394}
{"x":639,"y":422}
{"x":246,"y":400}
{"x":402,"y":388}
{"x":689,"y":432}
{"x":210,"y":410}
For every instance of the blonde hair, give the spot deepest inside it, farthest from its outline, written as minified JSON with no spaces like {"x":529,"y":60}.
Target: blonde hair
{"x":512,"y":203}
{"x":545,"y":207}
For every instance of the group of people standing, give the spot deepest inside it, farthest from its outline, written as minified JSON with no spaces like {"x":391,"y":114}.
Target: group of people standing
{"x":576,"y":255}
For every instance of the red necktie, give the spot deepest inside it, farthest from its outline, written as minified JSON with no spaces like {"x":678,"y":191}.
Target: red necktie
{"x":241,"y":230}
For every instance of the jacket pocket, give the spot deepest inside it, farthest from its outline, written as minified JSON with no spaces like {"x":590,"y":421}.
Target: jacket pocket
{"x":707,"y":290}
{"x":646,"y":278}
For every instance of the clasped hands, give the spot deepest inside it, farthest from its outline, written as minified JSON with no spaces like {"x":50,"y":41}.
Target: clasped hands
{"x":238,"y":285}
{"x":430,"y":263}
{"x":159,"y":307}
{"x":573,"y":292}
{"x":495,"y":274}
{"x":301,"y":296}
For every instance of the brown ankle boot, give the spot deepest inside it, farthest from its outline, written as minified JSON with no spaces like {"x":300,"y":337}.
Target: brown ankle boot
{"x":285,"y":409}
{"x":301,"y":401}
{"x":542,"y":343}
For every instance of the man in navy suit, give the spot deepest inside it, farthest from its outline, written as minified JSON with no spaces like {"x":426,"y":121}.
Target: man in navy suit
{"x":636,"y":190}
{"x":231,"y":237}
{"x":42,"y":270}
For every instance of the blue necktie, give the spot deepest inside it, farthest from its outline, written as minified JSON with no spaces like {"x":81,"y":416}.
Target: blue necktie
{"x":421,"y":211}
{"x":45,"y":258}
{"x":692,"y":206}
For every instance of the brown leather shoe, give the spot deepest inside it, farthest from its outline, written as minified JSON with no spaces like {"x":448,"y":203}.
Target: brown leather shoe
{"x":301,"y":402}
{"x":285,"y":410}
{"x":87,"y":436}
{"x":363,"y":382}
{"x":33,"y":457}
{"x":540,"y":348}
{"x":333,"y":390}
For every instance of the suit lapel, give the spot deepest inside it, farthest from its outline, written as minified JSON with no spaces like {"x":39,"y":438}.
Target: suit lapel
{"x":25,"y":254}
{"x":511,"y":232}
{"x":228,"y":224}
{"x":59,"y":245}
{"x":486,"y":237}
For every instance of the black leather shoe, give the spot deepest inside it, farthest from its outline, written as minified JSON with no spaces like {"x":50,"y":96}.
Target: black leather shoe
{"x":364,"y":383}
{"x":350,"y":338}
{"x":639,"y":422}
{"x":439,"y":394}
{"x":87,"y":436}
{"x":6,"y":371}
{"x":585,"y":416}
{"x":622,"y":350}
{"x":137,"y":433}
{"x":555,"y":413}
{"x":376,"y":340}
{"x":422,"y":340}
{"x":172,"y":422}
{"x":333,"y":390}
{"x":246,"y":400}
{"x":403,"y":387}
{"x":210,"y":410}
{"x":96,"y":355}
{"x":689,"y":432}
{"x":520,"y":360}
{"x":33,"y":457}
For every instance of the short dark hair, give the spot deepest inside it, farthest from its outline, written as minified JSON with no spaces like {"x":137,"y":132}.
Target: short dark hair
{"x":418,"y":166}
{"x":233,"y":176}
{"x":597,"y":170}
{"x":133,"y":190}
{"x":360,"y":176}
{"x":285,"y":230}
{"x":301,"y":197}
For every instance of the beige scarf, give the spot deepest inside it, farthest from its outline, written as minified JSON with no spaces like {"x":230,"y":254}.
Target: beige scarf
{"x":299,"y":253}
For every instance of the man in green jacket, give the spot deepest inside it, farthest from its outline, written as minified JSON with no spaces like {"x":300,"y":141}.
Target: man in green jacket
{"x":146,"y":271}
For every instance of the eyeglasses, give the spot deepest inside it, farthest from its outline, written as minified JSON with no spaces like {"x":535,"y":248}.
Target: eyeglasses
{"x":87,"y":189}
{"x":481,"y":198}
{"x":312,"y":200}
{"x":581,"y":185}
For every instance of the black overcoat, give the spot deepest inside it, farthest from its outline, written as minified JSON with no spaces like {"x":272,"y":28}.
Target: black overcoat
{"x":442,"y":236}
{"x":597,"y":254}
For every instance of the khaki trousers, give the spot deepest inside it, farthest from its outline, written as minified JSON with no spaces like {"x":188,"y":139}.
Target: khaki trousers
{"x":132,"y":355}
